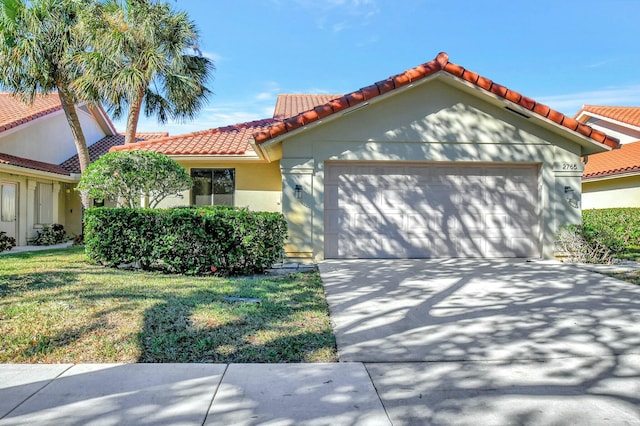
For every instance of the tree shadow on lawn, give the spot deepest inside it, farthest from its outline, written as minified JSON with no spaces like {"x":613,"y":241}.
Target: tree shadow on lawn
{"x":203,"y":327}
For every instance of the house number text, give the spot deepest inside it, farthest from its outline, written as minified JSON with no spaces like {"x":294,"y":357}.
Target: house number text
{"x":569,"y":166}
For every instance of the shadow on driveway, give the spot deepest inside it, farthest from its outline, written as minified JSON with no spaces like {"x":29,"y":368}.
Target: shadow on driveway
{"x":461,"y":341}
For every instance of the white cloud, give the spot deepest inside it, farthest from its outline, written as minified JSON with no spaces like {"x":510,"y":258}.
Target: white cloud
{"x":215,"y":57}
{"x":264,"y":96}
{"x":570,"y":103}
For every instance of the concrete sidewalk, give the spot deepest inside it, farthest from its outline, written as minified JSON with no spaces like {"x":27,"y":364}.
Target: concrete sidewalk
{"x":188,"y":394}
{"x":434,"y":393}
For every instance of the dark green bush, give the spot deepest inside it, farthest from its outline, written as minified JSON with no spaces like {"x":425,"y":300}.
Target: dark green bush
{"x":186,"y":240}
{"x":6,"y":242}
{"x":50,"y":235}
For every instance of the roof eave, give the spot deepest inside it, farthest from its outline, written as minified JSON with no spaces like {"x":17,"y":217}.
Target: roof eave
{"x":613,"y":175}
{"x":103,"y":119}
{"x":217,"y":157}
{"x":25,"y":171}
{"x":583,"y":113}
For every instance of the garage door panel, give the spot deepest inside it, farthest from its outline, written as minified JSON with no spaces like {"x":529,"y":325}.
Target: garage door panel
{"x":522,"y":247}
{"x":432,"y":211}
{"x":470,"y":247}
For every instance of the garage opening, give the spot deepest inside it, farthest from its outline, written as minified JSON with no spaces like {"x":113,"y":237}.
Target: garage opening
{"x":382,"y":210}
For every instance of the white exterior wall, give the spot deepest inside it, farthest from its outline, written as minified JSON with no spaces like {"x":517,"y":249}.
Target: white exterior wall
{"x":48,"y":138}
{"x":433,"y":122}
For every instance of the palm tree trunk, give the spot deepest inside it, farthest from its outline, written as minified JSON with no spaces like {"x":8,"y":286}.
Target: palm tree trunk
{"x":132,"y":118}
{"x":69,"y":108}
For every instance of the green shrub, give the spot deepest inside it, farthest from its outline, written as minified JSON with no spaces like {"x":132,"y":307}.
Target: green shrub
{"x":128,"y":176}
{"x":620,"y":226}
{"x":603,"y":235}
{"x":6,"y":242}
{"x":50,"y":235}
{"x":186,"y":240}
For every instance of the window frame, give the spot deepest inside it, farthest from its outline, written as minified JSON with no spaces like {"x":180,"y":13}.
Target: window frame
{"x":211,"y":171}
{"x":38,"y":219}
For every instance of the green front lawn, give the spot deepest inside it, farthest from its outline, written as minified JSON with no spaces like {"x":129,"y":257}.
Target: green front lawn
{"x":55,"y":308}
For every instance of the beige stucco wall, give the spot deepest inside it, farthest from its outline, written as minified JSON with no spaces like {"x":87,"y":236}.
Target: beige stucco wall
{"x":432,"y":122}
{"x":609,"y":193}
{"x":258,"y":184}
{"x":49,"y":138}
{"x":26,"y":226}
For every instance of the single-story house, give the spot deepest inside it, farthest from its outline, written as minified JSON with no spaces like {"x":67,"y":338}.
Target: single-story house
{"x":612,"y":179}
{"x":39,"y":168}
{"x":437,"y":161}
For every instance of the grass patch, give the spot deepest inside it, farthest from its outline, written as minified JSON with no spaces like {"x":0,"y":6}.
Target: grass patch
{"x":630,"y":253}
{"x":630,"y":277}
{"x":57,"y":308}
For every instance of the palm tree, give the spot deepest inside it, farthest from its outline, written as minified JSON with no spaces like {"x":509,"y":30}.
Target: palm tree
{"x":140,"y":58}
{"x":36,"y":51}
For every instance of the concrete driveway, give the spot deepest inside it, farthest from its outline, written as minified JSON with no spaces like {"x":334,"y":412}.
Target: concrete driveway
{"x":490,"y":341}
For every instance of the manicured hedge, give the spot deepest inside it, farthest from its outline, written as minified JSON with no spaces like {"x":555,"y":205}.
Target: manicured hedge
{"x":620,"y":227}
{"x":186,"y":240}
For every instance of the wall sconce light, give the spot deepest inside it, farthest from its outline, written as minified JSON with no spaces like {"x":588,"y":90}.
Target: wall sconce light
{"x":568,"y":189}
{"x":297,"y":190}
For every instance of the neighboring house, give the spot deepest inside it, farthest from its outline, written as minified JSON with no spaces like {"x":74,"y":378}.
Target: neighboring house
{"x":622,"y":123}
{"x":612,"y":179}
{"x":434,"y":162}
{"x":39,"y":168}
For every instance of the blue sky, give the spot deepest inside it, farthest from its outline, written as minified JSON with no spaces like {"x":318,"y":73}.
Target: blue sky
{"x":562,"y":53}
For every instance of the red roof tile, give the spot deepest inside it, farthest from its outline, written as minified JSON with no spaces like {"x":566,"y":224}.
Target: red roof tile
{"x":229,"y":140}
{"x":623,"y":160}
{"x":439,"y":64}
{"x":103,"y":145}
{"x":289,"y":105}
{"x":628,"y":115}
{"x":12,"y":160}
{"x":14,"y":112}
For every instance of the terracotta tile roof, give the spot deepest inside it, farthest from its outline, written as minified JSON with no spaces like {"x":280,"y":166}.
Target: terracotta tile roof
{"x":229,"y":140}
{"x":440,"y":63}
{"x":103,"y":145}
{"x":12,"y":160}
{"x":623,"y":160}
{"x":624,"y":114}
{"x":13,"y":112}
{"x":289,"y":105}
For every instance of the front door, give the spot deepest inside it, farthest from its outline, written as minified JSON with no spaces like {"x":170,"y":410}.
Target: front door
{"x":8,"y":208}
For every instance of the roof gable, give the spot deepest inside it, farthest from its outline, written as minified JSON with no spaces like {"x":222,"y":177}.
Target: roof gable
{"x":228,"y":140}
{"x":439,"y":64}
{"x":616,"y":162}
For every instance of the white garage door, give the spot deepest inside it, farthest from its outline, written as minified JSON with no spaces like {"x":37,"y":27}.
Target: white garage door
{"x":379,"y":210}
